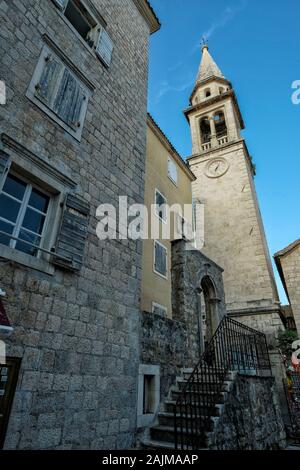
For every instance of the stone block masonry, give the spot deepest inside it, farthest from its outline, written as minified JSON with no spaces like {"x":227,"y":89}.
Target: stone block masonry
{"x":251,"y":417}
{"x":77,"y":333}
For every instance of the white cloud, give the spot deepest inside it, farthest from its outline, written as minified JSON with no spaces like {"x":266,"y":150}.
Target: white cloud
{"x":166,"y":87}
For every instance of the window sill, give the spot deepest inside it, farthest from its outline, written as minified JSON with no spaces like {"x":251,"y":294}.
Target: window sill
{"x":26,"y":260}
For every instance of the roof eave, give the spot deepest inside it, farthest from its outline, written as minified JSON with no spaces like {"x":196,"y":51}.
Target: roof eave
{"x":169,"y":146}
{"x":148,"y":14}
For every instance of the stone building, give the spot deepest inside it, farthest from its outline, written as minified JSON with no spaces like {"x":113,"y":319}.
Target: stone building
{"x":288,"y":265}
{"x":233,"y":233}
{"x":168,"y":181}
{"x":73,"y":136}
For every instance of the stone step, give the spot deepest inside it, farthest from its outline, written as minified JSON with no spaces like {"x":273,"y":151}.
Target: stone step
{"x":217,"y":396}
{"x":152,"y":444}
{"x":167,"y":419}
{"x":166,"y":434}
{"x":170,"y":404}
{"x":201,"y":385}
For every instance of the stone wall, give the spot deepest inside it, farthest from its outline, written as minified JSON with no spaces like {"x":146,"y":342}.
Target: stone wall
{"x":290,"y":263}
{"x":251,"y":418}
{"x":164,"y":343}
{"x":78,"y":333}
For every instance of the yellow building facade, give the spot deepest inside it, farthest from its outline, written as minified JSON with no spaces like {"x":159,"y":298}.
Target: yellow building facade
{"x":168,"y":181}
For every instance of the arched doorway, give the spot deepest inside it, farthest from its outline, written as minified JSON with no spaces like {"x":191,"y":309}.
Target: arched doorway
{"x":209,"y":310}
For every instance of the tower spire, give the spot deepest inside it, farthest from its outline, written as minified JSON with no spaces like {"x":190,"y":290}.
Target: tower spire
{"x":208,"y":67}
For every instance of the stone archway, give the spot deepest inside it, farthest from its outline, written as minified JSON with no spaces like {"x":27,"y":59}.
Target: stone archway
{"x":208,"y":310}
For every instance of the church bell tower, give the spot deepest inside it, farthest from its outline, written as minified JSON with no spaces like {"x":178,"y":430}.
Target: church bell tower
{"x":234,"y":235}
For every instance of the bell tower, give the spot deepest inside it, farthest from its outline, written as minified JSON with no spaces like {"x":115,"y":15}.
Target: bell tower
{"x":234,"y":235}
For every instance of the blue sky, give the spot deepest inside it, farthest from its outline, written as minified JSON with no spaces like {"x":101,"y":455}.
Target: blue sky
{"x":256,"y":45}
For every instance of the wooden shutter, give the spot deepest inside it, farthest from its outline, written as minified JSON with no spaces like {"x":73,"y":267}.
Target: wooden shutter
{"x":104,"y":48}
{"x":160,"y":259}
{"x":69,"y":100}
{"x":61,"y":4}
{"x":4,"y":164}
{"x":73,"y":232}
{"x":44,"y":90}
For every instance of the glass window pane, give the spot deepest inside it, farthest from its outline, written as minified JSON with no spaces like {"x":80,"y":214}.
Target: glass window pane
{"x":33,"y":221}
{"x":7,"y":228}
{"x":9,"y":208}
{"x":15,"y":187}
{"x":31,"y":238}
{"x":39,"y":200}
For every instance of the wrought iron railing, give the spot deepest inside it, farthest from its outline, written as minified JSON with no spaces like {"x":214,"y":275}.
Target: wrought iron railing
{"x":292,"y":392}
{"x":234,"y":347}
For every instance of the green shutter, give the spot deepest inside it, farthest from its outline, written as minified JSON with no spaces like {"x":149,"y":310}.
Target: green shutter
{"x":69,"y":100}
{"x":105,"y":47}
{"x":160,"y":259}
{"x":73,"y":232}
{"x":44,"y":90}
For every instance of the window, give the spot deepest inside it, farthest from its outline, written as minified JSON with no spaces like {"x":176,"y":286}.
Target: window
{"x":59,"y":92}
{"x":23,"y":212}
{"x":89,"y":26}
{"x":172,"y":170}
{"x":205,"y":130}
{"x":149,"y":394}
{"x":207,"y":93}
{"x":160,"y":206}
{"x":79,"y":17}
{"x":160,"y":259}
{"x":158,"y":309}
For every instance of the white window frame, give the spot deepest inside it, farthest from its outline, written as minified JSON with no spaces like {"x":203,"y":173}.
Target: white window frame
{"x":162,"y":307}
{"x":29,"y":166}
{"x":172,"y":163}
{"x":23,"y":208}
{"x":167,"y":260}
{"x":164,"y":220}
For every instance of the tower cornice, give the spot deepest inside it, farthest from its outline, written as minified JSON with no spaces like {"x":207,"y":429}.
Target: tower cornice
{"x":224,"y":81}
{"x":217,"y":99}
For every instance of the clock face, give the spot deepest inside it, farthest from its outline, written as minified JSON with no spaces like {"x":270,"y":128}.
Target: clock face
{"x":217,"y":168}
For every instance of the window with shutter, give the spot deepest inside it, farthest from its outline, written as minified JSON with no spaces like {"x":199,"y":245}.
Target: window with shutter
{"x":59,"y":92}
{"x":73,"y":232}
{"x":160,"y":259}
{"x":105,"y":47}
{"x":172,"y":170}
{"x":160,"y":205}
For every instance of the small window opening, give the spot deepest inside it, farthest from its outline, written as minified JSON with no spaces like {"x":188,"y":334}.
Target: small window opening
{"x":149,"y":394}
{"x":207,"y":93}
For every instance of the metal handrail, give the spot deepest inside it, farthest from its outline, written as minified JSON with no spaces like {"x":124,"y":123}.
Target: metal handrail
{"x":234,"y":346}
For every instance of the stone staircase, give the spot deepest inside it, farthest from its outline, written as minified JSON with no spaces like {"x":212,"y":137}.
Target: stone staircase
{"x":162,"y":436}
